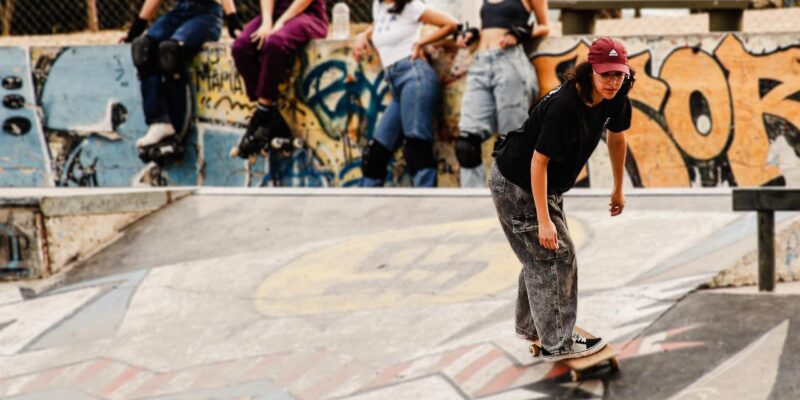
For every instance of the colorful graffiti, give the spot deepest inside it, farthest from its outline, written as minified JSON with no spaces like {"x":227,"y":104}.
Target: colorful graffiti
{"x":709,"y":110}
{"x":706,"y":117}
{"x":23,"y":154}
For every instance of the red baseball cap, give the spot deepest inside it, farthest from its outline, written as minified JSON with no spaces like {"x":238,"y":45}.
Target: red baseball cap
{"x":607,"y":54}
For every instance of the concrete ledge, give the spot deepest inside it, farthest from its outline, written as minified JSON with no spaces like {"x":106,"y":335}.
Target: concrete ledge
{"x":109,"y":203}
{"x":441,"y":192}
{"x":45,"y":231}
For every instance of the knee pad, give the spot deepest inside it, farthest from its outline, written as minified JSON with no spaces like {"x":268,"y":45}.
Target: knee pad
{"x":418,"y":154}
{"x":374,"y":160}
{"x":144,"y":51}
{"x":468,"y":150}
{"x":173,"y":57}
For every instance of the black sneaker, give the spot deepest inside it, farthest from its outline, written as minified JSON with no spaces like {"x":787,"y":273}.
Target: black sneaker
{"x":581,"y":347}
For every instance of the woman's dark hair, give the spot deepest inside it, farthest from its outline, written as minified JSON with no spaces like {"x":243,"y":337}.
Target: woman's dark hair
{"x":582,"y":75}
{"x":399,"y":6}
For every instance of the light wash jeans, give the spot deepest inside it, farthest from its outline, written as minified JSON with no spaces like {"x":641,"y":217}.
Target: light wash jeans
{"x":547,"y":299}
{"x":500,"y":87}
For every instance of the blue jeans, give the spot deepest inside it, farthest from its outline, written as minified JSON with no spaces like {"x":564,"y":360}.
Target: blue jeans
{"x":192,"y":23}
{"x":500,"y":87}
{"x":416,"y":96}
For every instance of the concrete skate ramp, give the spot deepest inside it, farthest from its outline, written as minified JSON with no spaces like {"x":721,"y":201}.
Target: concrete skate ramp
{"x":373,"y":294}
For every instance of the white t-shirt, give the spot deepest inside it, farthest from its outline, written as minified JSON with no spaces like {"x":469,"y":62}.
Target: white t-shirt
{"x":394,"y":35}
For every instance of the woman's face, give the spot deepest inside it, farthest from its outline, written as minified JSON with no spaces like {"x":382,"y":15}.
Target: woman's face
{"x":607,"y":84}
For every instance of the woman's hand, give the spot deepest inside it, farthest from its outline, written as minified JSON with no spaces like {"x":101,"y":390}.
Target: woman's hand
{"x":261,"y":34}
{"x":417,"y":52}
{"x":508,"y":41}
{"x":617,"y":203}
{"x":548,"y":236}
{"x":540,"y":30}
{"x":361,"y":46}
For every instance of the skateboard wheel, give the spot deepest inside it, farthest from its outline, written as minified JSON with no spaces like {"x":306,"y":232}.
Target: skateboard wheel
{"x":575,"y":375}
{"x":535,"y":350}
{"x":614,"y":364}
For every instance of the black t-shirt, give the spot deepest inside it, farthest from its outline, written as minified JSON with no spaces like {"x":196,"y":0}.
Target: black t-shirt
{"x":562,"y":127}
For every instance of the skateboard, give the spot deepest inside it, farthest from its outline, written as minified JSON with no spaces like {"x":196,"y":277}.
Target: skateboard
{"x":580,"y":366}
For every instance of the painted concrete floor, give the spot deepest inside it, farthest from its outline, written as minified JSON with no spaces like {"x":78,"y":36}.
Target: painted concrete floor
{"x":370,"y":297}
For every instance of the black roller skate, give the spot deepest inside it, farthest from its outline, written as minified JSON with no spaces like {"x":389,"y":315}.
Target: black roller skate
{"x":256,"y":138}
{"x":161,"y":144}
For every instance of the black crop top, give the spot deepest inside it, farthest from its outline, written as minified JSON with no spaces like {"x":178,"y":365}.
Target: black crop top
{"x":503,"y":14}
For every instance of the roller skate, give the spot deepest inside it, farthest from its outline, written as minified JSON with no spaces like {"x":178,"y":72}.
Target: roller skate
{"x":257,"y":136}
{"x":161,"y":144}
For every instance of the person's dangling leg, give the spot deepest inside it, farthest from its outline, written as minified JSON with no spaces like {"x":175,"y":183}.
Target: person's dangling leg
{"x":477,"y":122}
{"x":203,"y":24}
{"x":420,"y":98}
{"x":379,"y":150}
{"x":144,"y":51}
{"x":247,"y":58}
{"x":265,"y":69}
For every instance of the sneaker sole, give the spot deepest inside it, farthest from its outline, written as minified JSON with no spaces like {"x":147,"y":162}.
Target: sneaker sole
{"x":570,"y":356}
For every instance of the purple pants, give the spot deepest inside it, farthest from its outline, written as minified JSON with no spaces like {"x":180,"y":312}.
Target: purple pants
{"x":264,"y":69}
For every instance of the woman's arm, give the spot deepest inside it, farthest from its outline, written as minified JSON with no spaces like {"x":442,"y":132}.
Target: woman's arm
{"x":265,"y":29}
{"x":616,"y":152}
{"x":361,"y":44}
{"x":447,"y":25}
{"x":231,"y":18}
{"x":228,"y":7}
{"x":267,"y":8}
{"x":540,"y":8}
{"x":548,"y":237}
{"x":139,"y":24}
{"x":297,"y":8}
{"x":149,"y":9}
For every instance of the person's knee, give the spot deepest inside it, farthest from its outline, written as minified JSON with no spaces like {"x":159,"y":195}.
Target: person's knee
{"x":173,"y":57}
{"x":374,"y":160}
{"x":468,"y":150}
{"x":276,"y":44}
{"x":144,"y":51}
{"x":418,"y":154}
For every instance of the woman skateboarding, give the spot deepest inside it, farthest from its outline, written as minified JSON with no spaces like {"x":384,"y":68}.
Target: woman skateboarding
{"x":534,"y":166}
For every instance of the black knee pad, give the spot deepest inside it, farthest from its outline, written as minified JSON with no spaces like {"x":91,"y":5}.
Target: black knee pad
{"x":468,"y":150}
{"x":374,"y":160}
{"x":144,"y":51}
{"x":418,"y":154}
{"x":173,"y":57}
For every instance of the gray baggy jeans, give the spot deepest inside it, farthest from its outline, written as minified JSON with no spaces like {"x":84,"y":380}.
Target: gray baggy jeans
{"x":547,"y":300}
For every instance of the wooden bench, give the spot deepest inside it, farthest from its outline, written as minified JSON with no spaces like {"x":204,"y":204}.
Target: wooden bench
{"x":578,"y":16}
{"x":766,"y":201}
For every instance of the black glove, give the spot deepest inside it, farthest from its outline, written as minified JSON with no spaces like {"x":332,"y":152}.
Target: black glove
{"x":137,"y":28}
{"x":234,"y":24}
{"x":463,"y":29}
{"x":522,"y":32}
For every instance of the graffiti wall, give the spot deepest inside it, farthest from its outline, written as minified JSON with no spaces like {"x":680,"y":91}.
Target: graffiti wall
{"x":709,"y":110}
{"x":716,"y":110}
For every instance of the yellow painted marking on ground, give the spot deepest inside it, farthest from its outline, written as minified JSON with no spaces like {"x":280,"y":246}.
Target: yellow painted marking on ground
{"x":438,"y":264}
{"x":417,"y":275}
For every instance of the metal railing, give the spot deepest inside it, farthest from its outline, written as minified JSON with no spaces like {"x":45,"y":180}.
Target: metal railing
{"x":42,"y":17}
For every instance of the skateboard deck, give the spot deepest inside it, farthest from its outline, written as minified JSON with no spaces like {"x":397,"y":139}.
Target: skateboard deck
{"x":578,"y":366}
